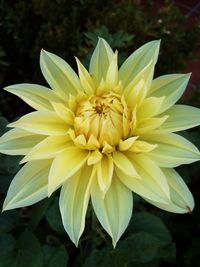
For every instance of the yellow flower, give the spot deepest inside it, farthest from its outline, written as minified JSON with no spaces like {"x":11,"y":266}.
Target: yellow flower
{"x":104,"y":134}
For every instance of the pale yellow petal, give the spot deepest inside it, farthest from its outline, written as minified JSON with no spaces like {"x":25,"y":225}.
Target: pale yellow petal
{"x":94,"y":157}
{"x":138,"y":61}
{"x":18,"y":142}
{"x":112,"y":73}
{"x":115,"y":209}
{"x":171,"y":86}
{"x":152,"y":185}
{"x":48,"y":148}
{"x":86,"y":80}
{"x":37,"y":96}
{"x":59,"y":75}
{"x":74,"y":198}
{"x":126,"y":144}
{"x":172,"y":150}
{"x":42,"y":122}
{"x":181,"y":117}
{"x":124,"y":164}
{"x":65,"y":165}
{"x":147,"y":125}
{"x":28,"y":186}
{"x":105,"y":172}
{"x":146,"y":187}
{"x":150,"y":107}
{"x":101,"y":59}
{"x":152,"y":169}
{"x":181,"y":199}
{"x":64,"y":112}
{"x":142,"y":147}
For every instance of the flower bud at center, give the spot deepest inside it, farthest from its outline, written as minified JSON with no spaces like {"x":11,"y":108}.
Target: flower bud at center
{"x":103,"y":117}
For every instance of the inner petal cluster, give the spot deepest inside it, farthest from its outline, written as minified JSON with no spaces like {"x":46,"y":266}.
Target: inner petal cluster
{"x":105,"y":117}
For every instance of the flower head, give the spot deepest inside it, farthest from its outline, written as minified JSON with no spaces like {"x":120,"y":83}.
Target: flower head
{"x":104,"y":135}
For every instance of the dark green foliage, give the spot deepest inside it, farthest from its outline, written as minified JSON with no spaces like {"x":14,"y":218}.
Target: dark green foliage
{"x":34,"y":236}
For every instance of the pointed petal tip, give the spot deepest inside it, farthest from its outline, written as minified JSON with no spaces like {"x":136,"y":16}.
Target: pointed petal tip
{"x":114,"y":243}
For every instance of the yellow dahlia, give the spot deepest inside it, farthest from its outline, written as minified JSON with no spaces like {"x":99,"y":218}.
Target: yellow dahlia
{"x":105,"y":133}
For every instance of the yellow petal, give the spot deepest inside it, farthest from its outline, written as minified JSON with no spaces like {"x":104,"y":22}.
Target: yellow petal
{"x":59,"y":75}
{"x":181,"y":199}
{"x":94,"y":157}
{"x":124,"y":164}
{"x":105,"y":172}
{"x":152,"y":185}
{"x":85,"y":78}
{"x":41,"y":122}
{"x":101,"y":59}
{"x":28,"y":186}
{"x":37,"y":96}
{"x":112,"y":73}
{"x":126,"y":144}
{"x":74,"y":198}
{"x":64,"y":112}
{"x":172,"y":150}
{"x":142,"y":147}
{"x":114,"y":211}
{"x":147,"y":125}
{"x":138,"y":61}
{"x":18,"y":142}
{"x":65,"y":165}
{"x":150,"y":107}
{"x":181,"y":117}
{"x":171,"y":86}
{"x":48,"y":148}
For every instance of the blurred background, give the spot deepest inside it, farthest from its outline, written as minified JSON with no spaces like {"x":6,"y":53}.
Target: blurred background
{"x":34,"y":236}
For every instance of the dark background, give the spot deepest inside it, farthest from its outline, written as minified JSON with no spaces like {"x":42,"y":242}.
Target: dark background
{"x":34,"y":236}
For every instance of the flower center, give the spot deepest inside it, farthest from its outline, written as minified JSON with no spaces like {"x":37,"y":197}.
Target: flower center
{"x":105,"y":117}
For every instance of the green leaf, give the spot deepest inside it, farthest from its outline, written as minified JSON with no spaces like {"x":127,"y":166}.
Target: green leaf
{"x":54,"y":218}
{"x":55,"y":256}
{"x":9,"y":164}
{"x":141,"y":247}
{"x":8,"y":221}
{"x":38,"y":212}
{"x":7,"y":244}
{"x":167,"y":253}
{"x":99,"y":258}
{"x":29,"y":251}
{"x":3,"y":123}
{"x":147,"y":222}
